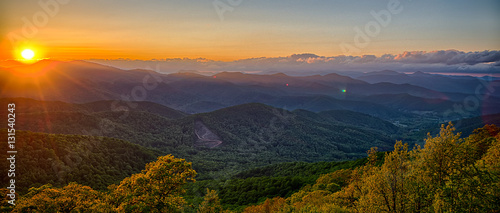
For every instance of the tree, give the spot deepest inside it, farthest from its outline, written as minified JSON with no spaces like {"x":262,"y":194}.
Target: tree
{"x":480,"y":188}
{"x":211,"y":203}
{"x":71,"y":198}
{"x":441,"y":154}
{"x":384,"y":189}
{"x":372,"y":155}
{"x":157,"y":188}
{"x":269,"y":206}
{"x":5,"y":206}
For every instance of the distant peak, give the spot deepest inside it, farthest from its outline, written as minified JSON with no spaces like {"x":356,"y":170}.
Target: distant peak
{"x":420,"y":73}
{"x":189,"y":71}
{"x":333,"y":75}
{"x":187,"y":74}
{"x":388,"y":71}
{"x":280,"y":74}
{"x":229,"y":73}
{"x":385,"y":72}
{"x":85,"y":63}
{"x":45,"y":61}
{"x":41,"y":64}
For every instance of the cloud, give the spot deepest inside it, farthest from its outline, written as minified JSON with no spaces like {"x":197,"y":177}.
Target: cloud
{"x":434,"y":61}
{"x":449,"y":57}
{"x":303,"y":56}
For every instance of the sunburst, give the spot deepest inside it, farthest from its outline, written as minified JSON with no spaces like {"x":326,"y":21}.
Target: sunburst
{"x":28,"y":54}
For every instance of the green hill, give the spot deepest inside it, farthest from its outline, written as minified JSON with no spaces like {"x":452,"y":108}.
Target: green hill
{"x":226,"y":141}
{"x":60,"y":159}
{"x":27,"y":105}
{"x":347,"y":117}
{"x":281,"y":179}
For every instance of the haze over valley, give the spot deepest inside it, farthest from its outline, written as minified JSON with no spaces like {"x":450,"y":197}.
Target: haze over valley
{"x":250,"y":106}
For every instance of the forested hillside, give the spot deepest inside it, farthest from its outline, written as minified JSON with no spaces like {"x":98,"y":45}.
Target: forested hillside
{"x":448,"y":174}
{"x":60,"y":159}
{"x":249,"y":135}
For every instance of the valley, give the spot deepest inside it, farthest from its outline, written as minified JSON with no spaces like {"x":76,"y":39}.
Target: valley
{"x":231,"y":126}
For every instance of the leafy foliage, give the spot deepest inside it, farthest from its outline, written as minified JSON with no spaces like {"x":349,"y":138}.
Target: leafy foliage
{"x":211,"y":203}
{"x":283,"y":179}
{"x":71,"y":198}
{"x":449,"y":174}
{"x":156,"y":189}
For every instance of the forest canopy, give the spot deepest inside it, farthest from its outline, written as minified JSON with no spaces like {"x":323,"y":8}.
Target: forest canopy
{"x":448,"y":174}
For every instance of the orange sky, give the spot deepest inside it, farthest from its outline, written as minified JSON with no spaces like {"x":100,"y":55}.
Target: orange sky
{"x":176,"y":29}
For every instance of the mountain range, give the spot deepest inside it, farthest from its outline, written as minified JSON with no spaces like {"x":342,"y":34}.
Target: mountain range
{"x":227,"y":122}
{"x":398,"y":96}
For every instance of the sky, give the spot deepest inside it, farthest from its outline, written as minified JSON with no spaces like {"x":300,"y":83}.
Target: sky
{"x":232,"y":30}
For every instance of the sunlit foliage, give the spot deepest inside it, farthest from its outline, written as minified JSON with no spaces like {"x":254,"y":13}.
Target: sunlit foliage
{"x":449,"y":174}
{"x":158,"y":188}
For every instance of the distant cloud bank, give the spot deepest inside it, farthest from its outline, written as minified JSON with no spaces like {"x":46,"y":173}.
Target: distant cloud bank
{"x":303,"y":64}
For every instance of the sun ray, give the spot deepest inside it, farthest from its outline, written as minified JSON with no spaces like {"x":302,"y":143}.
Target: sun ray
{"x":41,"y":96}
{"x":86,"y":87}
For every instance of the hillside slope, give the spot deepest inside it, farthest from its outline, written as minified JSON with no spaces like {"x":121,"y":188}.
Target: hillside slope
{"x":229,"y":140}
{"x":59,"y":159}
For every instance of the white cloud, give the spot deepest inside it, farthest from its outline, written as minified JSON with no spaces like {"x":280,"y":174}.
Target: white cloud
{"x":434,"y":61}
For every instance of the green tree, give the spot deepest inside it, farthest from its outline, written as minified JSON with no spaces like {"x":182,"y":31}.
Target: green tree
{"x":71,"y":198}
{"x":441,"y":155}
{"x":269,"y":206}
{"x":383,"y":189}
{"x":449,"y":174}
{"x":478,"y":183}
{"x":158,"y":188}
{"x":211,"y":203}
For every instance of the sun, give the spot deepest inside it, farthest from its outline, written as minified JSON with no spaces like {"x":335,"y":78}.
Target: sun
{"x":28,"y":54}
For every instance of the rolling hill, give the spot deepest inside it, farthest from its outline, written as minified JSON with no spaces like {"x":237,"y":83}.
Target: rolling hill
{"x":60,"y":159}
{"x":84,"y":82}
{"x":242,"y":136}
{"x":452,"y":84}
